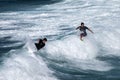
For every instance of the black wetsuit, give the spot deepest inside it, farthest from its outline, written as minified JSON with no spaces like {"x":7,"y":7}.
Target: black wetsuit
{"x":40,"y":44}
{"x":84,"y":30}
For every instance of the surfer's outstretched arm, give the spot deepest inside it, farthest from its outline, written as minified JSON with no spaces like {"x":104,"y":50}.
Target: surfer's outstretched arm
{"x":90,"y":30}
{"x":77,"y":28}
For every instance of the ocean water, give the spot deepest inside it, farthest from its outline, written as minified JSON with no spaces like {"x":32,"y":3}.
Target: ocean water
{"x":64,"y":57}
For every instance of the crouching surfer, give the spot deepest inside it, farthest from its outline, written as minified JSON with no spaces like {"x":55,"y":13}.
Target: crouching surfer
{"x":41,"y":43}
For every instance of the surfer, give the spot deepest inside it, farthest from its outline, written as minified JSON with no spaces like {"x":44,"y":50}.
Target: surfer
{"x":83,"y":29}
{"x":41,"y":43}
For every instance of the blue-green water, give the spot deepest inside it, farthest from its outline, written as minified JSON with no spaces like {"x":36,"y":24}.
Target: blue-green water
{"x":64,"y":57}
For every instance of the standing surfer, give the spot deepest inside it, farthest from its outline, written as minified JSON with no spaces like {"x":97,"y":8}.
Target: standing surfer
{"x":83,"y":29}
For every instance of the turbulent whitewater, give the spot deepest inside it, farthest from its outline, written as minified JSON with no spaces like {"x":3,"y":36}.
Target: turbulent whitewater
{"x":64,"y":57}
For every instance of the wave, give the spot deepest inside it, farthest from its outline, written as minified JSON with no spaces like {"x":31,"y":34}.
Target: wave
{"x":23,"y":64}
{"x":65,"y":54}
{"x":17,"y":5}
{"x":82,"y":54}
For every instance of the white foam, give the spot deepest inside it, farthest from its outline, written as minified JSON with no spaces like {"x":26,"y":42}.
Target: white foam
{"x":80,"y":53}
{"x":92,"y":64}
{"x":74,"y":47}
{"x":110,"y":41}
{"x":24,"y":67}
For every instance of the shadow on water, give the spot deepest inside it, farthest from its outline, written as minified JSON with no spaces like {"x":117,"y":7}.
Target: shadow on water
{"x":23,"y":5}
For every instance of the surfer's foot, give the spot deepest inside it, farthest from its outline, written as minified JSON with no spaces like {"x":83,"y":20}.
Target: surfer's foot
{"x":81,"y":39}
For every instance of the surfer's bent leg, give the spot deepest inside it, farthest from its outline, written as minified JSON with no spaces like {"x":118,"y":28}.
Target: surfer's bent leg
{"x":82,"y":35}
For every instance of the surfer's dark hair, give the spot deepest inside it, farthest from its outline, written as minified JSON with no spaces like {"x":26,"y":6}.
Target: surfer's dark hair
{"x":82,"y":23}
{"x":45,"y":39}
